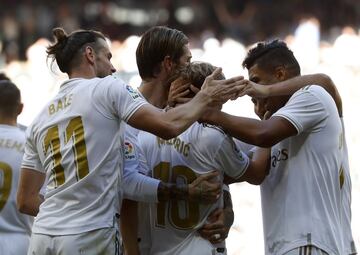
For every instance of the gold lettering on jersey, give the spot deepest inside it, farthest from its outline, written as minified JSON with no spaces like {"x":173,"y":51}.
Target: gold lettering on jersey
{"x":11,"y":144}
{"x":61,"y":104}
{"x":341,"y":177}
{"x":341,"y":140}
{"x":179,"y":145}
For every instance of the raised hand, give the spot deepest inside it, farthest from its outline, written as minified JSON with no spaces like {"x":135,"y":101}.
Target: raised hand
{"x":220,"y":91}
{"x":179,"y":89}
{"x":252,"y":89}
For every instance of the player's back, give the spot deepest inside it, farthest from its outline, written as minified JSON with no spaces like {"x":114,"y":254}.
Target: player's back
{"x":76,"y":141}
{"x":15,"y":227}
{"x":197,"y":151}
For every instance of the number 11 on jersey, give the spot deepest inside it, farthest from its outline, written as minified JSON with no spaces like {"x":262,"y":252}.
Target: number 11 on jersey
{"x":75,"y":132}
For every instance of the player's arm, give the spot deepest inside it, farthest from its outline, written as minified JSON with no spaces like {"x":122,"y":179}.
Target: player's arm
{"x":140,"y":187}
{"x":129,"y":226}
{"x":265,"y":133}
{"x":143,"y":188}
{"x":290,"y":86}
{"x":203,"y":189}
{"x":28,"y":194}
{"x":257,"y":170}
{"x":173,"y":122}
{"x":219,"y":222}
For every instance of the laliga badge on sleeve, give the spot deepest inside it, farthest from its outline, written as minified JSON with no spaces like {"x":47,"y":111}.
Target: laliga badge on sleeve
{"x":133,"y":93}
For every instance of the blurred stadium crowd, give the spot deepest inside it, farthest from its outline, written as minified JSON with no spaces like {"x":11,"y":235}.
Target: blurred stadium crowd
{"x":23,"y":22}
{"x":324,"y":36}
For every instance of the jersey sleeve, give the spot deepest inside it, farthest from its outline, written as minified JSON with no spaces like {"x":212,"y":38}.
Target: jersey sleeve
{"x":139,"y":187}
{"x":231,"y":159}
{"x":134,"y":159}
{"x":119,"y":99}
{"x":304,"y":110}
{"x":31,"y":157}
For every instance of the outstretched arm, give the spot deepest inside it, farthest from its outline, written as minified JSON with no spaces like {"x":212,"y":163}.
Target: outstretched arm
{"x":290,"y":86}
{"x":265,"y":133}
{"x":173,"y":122}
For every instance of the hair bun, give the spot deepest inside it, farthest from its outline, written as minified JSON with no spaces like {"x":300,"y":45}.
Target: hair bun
{"x":60,"y":34}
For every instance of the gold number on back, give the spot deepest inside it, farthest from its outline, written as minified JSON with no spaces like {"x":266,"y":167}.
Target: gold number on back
{"x":5,"y":186}
{"x":52,"y":142}
{"x":190,"y":217}
{"x":177,"y":218}
{"x":161,"y":172}
{"x":75,"y":132}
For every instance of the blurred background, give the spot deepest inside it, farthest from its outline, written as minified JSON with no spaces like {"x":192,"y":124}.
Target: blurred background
{"x":323,"y":34}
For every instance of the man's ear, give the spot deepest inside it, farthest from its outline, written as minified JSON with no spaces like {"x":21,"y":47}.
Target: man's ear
{"x":280,"y":73}
{"x":168,"y":63}
{"x":20,"y":108}
{"x":89,"y":54}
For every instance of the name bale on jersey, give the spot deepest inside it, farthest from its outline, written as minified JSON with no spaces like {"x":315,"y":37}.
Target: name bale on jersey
{"x":179,"y":145}
{"x":61,"y":104}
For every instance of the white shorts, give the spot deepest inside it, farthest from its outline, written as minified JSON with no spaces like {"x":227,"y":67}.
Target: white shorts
{"x":306,"y":250}
{"x":14,"y":244}
{"x":100,"y":241}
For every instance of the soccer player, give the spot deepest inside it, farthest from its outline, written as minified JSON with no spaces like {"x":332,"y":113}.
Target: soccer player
{"x":197,"y":151}
{"x":160,"y":53}
{"x":15,"y":227}
{"x":289,"y":87}
{"x":303,"y":195}
{"x":75,"y":142}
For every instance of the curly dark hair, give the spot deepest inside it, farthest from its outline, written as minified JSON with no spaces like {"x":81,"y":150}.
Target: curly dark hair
{"x":270,"y":55}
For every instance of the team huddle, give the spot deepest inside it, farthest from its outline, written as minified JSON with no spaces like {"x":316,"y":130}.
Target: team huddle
{"x":108,"y":169}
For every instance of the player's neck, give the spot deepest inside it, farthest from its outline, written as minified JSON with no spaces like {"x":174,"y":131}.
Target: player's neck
{"x":155,"y":92}
{"x":85,"y":73}
{"x":7,"y":121}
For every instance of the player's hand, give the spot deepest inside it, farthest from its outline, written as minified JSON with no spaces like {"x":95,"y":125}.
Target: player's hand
{"x":218,"y":225}
{"x":252,"y":89}
{"x":219,"y":91}
{"x":206,"y":188}
{"x":178,"y":91}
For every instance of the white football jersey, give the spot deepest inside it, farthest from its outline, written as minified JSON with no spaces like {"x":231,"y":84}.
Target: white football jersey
{"x":136,"y":184}
{"x":198,"y":150}
{"x":345,"y":186}
{"x":301,"y":196}
{"x":76,"y":140}
{"x":12,"y":142}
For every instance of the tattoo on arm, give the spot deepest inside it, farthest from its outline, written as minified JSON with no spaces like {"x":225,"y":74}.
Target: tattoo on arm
{"x":168,"y":191}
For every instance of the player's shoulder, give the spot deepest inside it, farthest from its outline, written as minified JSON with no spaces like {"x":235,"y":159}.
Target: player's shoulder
{"x":216,"y":130}
{"x":12,"y":132}
{"x":311,"y":89}
{"x":207,"y":135}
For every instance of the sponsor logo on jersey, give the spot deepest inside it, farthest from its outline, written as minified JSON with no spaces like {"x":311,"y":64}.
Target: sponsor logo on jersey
{"x":133,"y":93}
{"x":279,"y":155}
{"x":129,"y":151}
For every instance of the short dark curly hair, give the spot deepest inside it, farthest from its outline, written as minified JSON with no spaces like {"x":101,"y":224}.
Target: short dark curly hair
{"x":269,"y":55}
